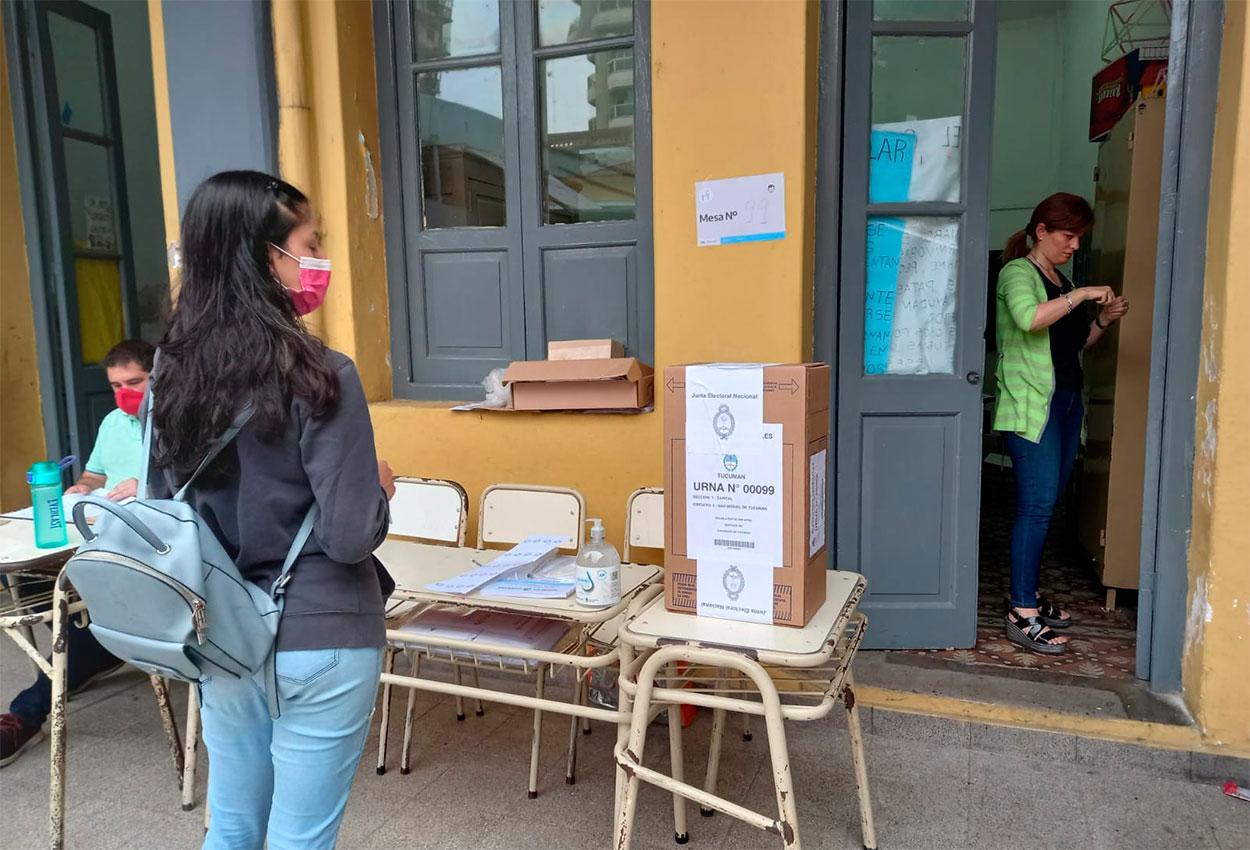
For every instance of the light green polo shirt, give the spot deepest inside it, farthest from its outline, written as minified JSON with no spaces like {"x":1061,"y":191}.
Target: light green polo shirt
{"x":118,"y":452}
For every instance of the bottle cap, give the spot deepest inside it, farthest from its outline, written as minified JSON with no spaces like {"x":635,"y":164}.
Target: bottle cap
{"x":596,"y":530}
{"x":45,"y":472}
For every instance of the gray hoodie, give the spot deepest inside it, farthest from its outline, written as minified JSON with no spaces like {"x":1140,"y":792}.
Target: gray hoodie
{"x":255,"y":494}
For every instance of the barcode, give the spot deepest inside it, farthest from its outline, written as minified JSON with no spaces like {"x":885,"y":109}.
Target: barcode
{"x":735,"y":544}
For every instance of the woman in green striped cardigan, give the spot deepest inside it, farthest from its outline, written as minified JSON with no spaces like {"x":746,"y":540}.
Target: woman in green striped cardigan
{"x":1044,"y":322}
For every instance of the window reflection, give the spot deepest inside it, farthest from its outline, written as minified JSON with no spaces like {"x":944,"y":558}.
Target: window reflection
{"x":588,"y":137}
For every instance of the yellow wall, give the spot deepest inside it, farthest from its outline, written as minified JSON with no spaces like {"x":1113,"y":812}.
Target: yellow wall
{"x":21,"y":421}
{"x":708,"y":302}
{"x":164,"y":134}
{"x":1217,"y":641}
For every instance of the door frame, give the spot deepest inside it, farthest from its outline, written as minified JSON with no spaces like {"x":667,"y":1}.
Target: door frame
{"x":1167,"y":503}
{"x":43,"y":290}
{"x":44,"y":188}
{"x":1193,"y":77}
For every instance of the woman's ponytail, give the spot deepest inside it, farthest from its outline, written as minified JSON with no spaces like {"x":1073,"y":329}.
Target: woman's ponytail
{"x":1017,"y":246}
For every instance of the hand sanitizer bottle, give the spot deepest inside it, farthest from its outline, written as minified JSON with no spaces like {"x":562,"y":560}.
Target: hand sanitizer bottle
{"x":598,"y":570}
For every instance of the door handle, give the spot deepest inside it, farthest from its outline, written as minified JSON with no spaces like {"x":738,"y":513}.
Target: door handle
{"x":974,"y":378}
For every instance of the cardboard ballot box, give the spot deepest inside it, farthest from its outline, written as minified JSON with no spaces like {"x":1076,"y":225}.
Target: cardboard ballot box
{"x":746,"y":453}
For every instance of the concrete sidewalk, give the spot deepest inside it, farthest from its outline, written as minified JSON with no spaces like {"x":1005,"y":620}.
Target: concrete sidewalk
{"x":933,"y":785}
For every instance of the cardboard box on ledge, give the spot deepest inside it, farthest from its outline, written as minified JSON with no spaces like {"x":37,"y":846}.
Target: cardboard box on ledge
{"x":797,"y":398}
{"x":618,"y":383}
{"x":584,"y":349}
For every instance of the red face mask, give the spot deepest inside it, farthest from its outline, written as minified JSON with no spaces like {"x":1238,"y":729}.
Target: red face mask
{"x":128,"y":400}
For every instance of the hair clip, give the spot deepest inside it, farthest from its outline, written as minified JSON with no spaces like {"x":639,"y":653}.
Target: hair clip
{"x":273,"y":186}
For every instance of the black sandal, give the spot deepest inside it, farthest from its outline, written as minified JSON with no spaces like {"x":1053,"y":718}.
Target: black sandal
{"x":1032,"y":634}
{"x":1050,"y":614}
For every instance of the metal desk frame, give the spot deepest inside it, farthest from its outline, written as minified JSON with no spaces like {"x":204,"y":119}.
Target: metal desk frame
{"x":21,"y":561}
{"x":415,"y":565}
{"x":814,"y":661}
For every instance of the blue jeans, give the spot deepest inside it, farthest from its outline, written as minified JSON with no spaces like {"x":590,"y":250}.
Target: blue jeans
{"x":84,"y":658}
{"x":1042,"y":471}
{"x":287,"y":780}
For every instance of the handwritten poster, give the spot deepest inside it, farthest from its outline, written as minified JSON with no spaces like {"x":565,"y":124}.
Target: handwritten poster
{"x":910,"y":298}
{"x":915,"y":160}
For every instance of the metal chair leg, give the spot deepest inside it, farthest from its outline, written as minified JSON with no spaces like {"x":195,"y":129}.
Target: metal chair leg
{"x":713,"y":753}
{"x":56,"y":785}
{"x":867,"y":828}
{"x":570,"y":768}
{"x":384,"y":724}
{"x":635,"y":744}
{"x":783,"y":782}
{"x":459,"y":699}
{"x":539,"y":688}
{"x":746,"y":718}
{"x":167,"y":720}
{"x":677,"y":765}
{"x":190,"y":751}
{"x":405,"y":760}
{"x":481,"y":707}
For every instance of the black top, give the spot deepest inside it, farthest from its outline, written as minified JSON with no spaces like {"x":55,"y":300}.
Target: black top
{"x":1067,"y":336}
{"x":255,"y":494}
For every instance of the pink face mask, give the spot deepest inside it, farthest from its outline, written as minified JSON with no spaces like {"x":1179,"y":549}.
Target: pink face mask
{"x":314,"y":280}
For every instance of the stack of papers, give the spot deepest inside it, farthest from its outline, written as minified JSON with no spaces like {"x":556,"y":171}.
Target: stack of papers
{"x":68,"y":501}
{"x":552,"y":580}
{"x":517,"y":631}
{"x":529,"y":556}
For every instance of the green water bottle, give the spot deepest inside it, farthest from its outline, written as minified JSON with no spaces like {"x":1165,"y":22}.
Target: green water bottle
{"x":45,"y":498}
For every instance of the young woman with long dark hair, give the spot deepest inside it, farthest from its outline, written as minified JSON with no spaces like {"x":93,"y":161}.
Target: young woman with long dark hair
{"x":252,"y":266}
{"x":1044,"y":322}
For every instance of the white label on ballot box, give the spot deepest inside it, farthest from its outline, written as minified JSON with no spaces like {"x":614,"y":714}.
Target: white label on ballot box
{"x":816,"y":503}
{"x":724,"y":407}
{"x":734,"y":591}
{"x":734,"y":503}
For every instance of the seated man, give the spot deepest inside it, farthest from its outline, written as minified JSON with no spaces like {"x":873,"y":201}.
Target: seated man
{"x":115,"y":465}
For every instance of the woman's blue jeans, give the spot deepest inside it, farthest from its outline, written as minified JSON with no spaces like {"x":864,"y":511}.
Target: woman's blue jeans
{"x":287,"y":780}
{"x":1042,"y":471}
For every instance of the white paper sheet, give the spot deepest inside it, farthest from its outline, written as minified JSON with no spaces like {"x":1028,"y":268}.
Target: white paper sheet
{"x":529,"y":588}
{"x":734,"y":591}
{"x":530,"y":552}
{"x":69,"y":501}
{"x":734,"y":503}
{"x":519,"y":631}
{"x":724,"y":407}
{"x":740,"y":209}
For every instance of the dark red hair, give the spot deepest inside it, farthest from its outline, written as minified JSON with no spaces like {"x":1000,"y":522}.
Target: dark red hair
{"x":1061,"y":211}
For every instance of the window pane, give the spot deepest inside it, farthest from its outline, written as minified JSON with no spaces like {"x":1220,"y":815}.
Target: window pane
{"x":568,"y":21}
{"x":77,"y":61}
{"x":917,"y":119}
{"x":460,"y":125}
{"x":909,"y":304}
{"x":588,"y":137}
{"x":442,"y":28}
{"x":88,"y":174}
{"x":920,"y":10}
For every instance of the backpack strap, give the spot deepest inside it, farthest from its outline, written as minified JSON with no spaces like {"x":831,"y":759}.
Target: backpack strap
{"x":278,"y":592}
{"x":297,"y":546}
{"x":215,"y":449}
{"x":145,"y":409}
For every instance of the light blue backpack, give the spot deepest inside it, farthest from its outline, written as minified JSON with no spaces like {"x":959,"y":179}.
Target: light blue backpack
{"x":162,"y":593}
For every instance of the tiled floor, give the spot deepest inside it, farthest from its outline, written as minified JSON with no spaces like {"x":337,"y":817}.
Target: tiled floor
{"x":1103,"y":643}
{"x":933,"y":786}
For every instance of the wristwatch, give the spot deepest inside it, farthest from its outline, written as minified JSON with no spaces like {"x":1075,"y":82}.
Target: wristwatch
{"x":1101,"y":326}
